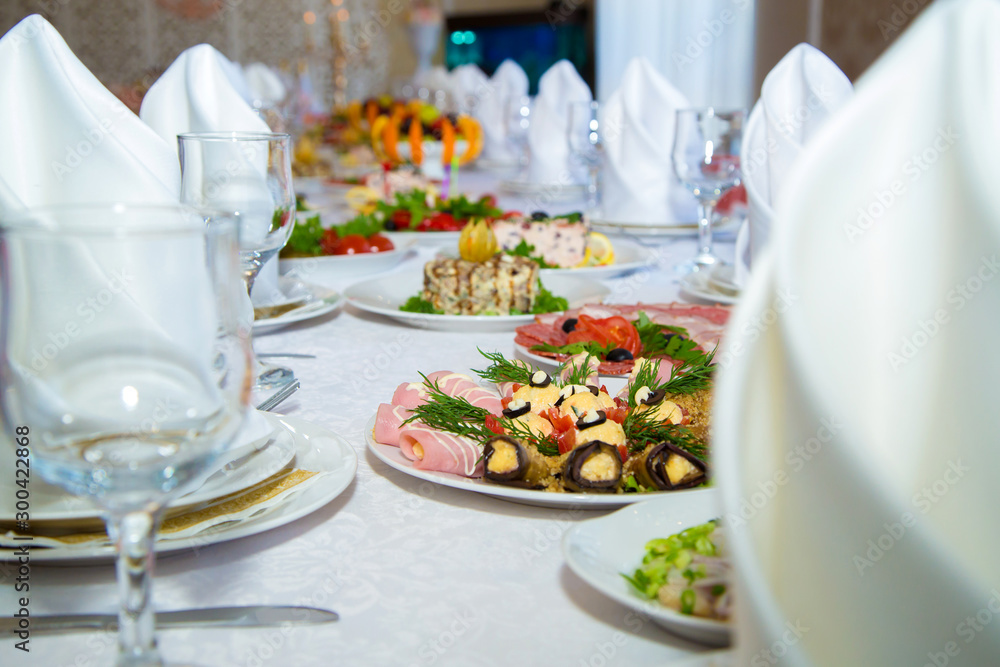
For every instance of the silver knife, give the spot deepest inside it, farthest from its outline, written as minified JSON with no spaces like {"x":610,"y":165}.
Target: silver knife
{"x":217,"y":617}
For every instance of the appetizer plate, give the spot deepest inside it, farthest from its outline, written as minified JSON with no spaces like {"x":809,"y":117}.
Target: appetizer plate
{"x":316,"y":449}
{"x":384,"y":296}
{"x":309,"y":301}
{"x":550,"y":363}
{"x":237,"y":469}
{"x":667,"y":229}
{"x":600,"y":550}
{"x":327,"y":271}
{"x":705,"y":285}
{"x":629,"y":256}
{"x":552,"y":191}
{"x":393,"y":457}
{"x":425,"y":239}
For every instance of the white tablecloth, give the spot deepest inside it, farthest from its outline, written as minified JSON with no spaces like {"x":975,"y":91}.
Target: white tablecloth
{"x":421,"y":574}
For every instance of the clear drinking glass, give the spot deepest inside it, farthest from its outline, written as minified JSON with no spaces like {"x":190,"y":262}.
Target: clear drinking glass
{"x":248,"y":174}
{"x":123,"y":368}
{"x":517,"y":120}
{"x":585,"y":136}
{"x":706,"y":157}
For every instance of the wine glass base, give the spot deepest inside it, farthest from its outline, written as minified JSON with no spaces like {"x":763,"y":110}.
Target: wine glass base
{"x":701,"y":262}
{"x":273,"y":377}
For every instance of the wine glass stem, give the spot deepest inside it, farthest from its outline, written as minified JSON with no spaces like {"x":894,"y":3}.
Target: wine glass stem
{"x":133,"y":533}
{"x":592,"y":188}
{"x":705,"y":212}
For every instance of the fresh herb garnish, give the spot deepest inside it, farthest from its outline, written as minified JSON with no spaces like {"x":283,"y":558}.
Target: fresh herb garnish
{"x":451,"y":413}
{"x":547,"y":445}
{"x":418,"y":304}
{"x":505,"y":370}
{"x":645,"y":376}
{"x":675,"y":552}
{"x":591,"y":347}
{"x":414,"y":202}
{"x":525,"y":249}
{"x":692,"y":376}
{"x":577,"y":371}
{"x":547,"y":302}
{"x":304,"y":239}
{"x":632,"y":486}
{"x":364,"y":224}
{"x":643,"y":429}
{"x":461,"y":207}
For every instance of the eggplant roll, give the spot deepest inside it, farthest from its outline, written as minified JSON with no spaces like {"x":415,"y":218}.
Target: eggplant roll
{"x":595,"y":466}
{"x":667,"y":468}
{"x":509,"y":461}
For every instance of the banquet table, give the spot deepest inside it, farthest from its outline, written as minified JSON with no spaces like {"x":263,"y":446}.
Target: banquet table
{"x":420,"y":574}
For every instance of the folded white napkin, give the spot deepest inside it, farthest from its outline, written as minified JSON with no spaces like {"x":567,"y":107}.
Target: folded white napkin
{"x":469,"y":85}
{"x":509,"y":82}
{"x":560,"y":86}
{"x":855,"y":416}
{"x":68,"y":140}
{"x":199,"y":93}
{"x":265,"y":85}
{"x":803,"y":91}
{"x":639,"y":181}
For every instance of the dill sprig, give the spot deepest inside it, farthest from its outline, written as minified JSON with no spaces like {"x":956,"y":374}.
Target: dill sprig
{"x":578,"y":372}
{"x":547,"y":445}
{"x":451,"y":413}
{"x":505,"y":370}
{"x":643,"y":429}
{"x":645,"y":376}
{"x":692,"y":375}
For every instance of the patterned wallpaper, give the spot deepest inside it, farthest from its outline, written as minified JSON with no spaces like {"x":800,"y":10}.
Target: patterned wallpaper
{"x":123,"y":41}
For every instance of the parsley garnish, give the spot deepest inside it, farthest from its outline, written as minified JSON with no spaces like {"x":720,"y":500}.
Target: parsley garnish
{"x":417,"y":304}
{"x":525,"y":249}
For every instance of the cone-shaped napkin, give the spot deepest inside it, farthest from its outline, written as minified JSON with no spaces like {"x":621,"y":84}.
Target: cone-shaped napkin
{"x":509,"y":82}
{"x":856,"y":414}
{"x":265,"y":85}
{"x":558,"y":88}
{"x":640,"y":185}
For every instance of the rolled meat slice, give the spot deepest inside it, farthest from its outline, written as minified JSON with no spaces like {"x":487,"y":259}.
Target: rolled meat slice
{"x":410,"y":394}
{"x":593,"y":467}
{"x":451,"y":383}
{"x":665,"y":467}
{"x":388,"y":423}
{"x":581,"y":361}
{"x":482,"y":398}
{"x":513,"y":463}
{"x":430,"y":449}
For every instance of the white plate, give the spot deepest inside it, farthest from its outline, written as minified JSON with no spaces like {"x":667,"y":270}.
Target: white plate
{"x":629,"y":256}
{"x":238,"y":469}
{"x":552,"y":191}
{"x":319,"y":301}
{"x":699,"y":285}
{"x":385,"y":295}
{"x":600,"y":550}
{"x":710,"y":659}
{"x":327,"y":270}
{"x":393,"y":457}
{"x":426,"y":239}
{"x":316,"y":449}
{"x":666,"y":229}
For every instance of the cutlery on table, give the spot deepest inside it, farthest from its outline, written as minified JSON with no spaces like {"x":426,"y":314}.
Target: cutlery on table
{"x":279,"y":396}
{"x":216,"y":617}
{"x":290,"y":355}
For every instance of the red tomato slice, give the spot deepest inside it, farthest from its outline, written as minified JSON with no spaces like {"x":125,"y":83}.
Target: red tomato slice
{"x":353,"y":244}
{"x":504,"y":402}
{"x":561,"y":423}
{"x":493,"y":424}
{"x":567,"y":441}
{"x":623,"y":452}
{"x":380,"y":243}
{"x":610,"y":330}
{"x":616,"y":414}
{"x":329,"y":242}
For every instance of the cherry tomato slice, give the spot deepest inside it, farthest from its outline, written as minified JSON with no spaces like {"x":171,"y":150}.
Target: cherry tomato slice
{"x":380,"y":243}
{"x":493,"y":424}
{"x":353,"y":244}
{"x":566,"y":441}
{"x":615,"y":331}
{"x":623,"y":452}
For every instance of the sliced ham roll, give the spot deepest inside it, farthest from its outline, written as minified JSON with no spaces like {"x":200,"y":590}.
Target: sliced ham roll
{"x":482,"y":398}
{"x":506,"y":389}
{"x":430,"y":449}
{"x":389,"y":422}
{"x":451,"y":383}
{"x":410,"y":394}
{"x":578,"y":361}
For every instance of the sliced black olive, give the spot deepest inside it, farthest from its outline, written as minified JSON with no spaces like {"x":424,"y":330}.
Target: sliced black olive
{"x":540,"y":379}
{"x":570,"y":325}
{"x":594,"y":389}
{"x":655,"y":397}
{"x":563,"y":395}
{"x":667,"y":335}
{"x":601,"y":418}
{"x":517,"y":412}
{"x":539,"y":215}
{"x":389,"y":225}
{"x":619,"y":354}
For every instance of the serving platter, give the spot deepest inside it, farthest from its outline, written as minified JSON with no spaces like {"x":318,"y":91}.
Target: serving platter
{"x":317,"y":449}
{"x":600,"y":550}
{"x":393,"y":457}
{"x":384,"y":295}
{"x":329,"y":270}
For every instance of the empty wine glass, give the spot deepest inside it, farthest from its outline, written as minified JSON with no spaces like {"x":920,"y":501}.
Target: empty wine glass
{"x":706,"y":157}
{"x":585,"y":137}
{"x":143,"y":388}
{"x":250,"y":175}
{"x":517,"y":120}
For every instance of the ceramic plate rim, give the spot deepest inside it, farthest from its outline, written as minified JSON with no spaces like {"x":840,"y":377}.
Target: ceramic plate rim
{"x":552,"y":363}
{"x":583,"y":501}
{"x":672,"y":620}
{"x":331,"y":299}
{"x":344,"y":469}
{"x":698,"y":287}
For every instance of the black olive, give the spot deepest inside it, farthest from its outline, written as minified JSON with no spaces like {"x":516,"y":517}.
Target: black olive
{"x":667,"y":335}
{"x":515,"y":413}
{"x":539,"y":215}
{"x":601,"y":418}
{"x":569,"y":325}
{"x":594,"y":390}
{"x":655,"y":397}
{"x":544,"y":382}
{"x":389,"y":225}
{"x":619,"y":354}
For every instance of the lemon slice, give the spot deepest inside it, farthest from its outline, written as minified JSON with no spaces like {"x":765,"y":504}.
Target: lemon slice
{"x":599,"y":251}
{"x":361,"y":198}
